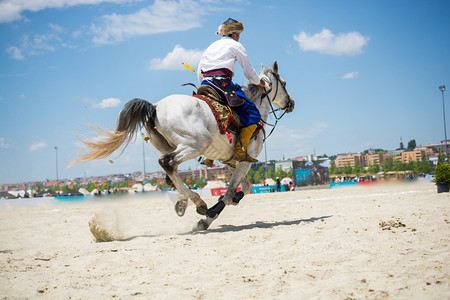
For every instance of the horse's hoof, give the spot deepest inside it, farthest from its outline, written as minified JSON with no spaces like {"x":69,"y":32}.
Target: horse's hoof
{"x":201,"y":225}
{"x":201,"y":210}
{"x":180,"y":208}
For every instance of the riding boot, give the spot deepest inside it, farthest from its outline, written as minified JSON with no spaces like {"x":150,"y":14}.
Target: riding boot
{"x":208,"y":162}
{"x":244,"y":137}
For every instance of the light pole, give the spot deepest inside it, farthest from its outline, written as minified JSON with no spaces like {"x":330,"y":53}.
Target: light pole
{"x":442,"y":88}
{"x":143,"y":151}
{"x":56,"y":151}
{"x":265,"y":150}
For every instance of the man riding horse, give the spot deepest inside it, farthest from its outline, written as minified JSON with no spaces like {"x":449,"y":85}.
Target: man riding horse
{"x":217,"y":69}
{"x":183,"y":127}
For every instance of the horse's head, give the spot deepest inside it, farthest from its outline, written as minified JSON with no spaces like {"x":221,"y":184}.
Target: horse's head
{"x":277,"y":94}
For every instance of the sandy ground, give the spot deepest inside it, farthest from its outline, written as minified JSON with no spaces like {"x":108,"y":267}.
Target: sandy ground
{"x":384,"y":241}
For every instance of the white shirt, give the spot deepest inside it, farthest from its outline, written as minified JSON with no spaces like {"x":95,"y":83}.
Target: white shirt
{"x":222,"y":54}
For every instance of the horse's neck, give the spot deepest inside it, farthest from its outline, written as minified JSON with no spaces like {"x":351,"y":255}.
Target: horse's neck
{"x":254,"y":93}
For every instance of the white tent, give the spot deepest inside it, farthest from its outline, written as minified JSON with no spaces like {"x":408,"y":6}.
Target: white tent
{"x":96,"y":192}
{"x":270,"y":181}
{"x":325,"y":164}
{"x":286,"y":180}
{"x":215,"y":184}
{"x":137,"y":187}
{"x":149,"y":188}
{"x":83,"y":191}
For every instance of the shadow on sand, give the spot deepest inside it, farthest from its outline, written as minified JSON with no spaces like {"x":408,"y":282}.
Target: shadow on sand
{"x":232,"y":228}
{"x":258,"y":224}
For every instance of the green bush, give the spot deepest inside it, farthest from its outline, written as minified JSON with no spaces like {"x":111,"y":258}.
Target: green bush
{"x":442,"y":173}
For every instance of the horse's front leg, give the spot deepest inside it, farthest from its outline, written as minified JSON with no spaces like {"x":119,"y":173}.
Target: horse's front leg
{"x":230,"y":197}
{"x":245,"y":189}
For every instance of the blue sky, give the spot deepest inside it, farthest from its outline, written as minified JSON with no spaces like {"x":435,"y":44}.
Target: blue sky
{"x":363,"y":73}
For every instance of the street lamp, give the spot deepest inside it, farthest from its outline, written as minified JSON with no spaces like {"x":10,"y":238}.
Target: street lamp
{"x":56,"y":150}
{"x":442,"y":88}
{"x":143,"y":151}
{"x":265,"y":150}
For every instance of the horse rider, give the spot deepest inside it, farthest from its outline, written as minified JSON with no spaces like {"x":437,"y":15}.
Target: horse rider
{"x":217,"y":66}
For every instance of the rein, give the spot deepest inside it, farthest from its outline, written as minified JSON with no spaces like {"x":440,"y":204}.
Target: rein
{"x":273,"y":111}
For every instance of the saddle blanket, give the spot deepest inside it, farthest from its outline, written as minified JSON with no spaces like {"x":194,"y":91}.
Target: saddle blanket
{"x":222,"y":113}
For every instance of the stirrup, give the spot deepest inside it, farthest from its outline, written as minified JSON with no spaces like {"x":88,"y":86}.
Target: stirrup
{"x":245,"y":157}
{"x":208,"y":162}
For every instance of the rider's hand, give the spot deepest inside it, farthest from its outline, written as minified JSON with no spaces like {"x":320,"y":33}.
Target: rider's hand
{"x":262,"y":83}
{"x":265,"y":84}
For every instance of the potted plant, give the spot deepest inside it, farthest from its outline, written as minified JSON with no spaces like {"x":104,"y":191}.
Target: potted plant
{"x":442,"y":177}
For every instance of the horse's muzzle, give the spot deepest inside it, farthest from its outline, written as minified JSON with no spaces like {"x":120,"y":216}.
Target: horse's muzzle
{"x":289,"y":106}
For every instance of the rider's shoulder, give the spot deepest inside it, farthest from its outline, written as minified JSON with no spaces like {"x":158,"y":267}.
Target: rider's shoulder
{"x":232,"y":43}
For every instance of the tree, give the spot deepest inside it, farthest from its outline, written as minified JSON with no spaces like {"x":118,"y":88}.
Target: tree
{"x":411,"y":145}
{"x":399,"y":166}
{"x":374,"y":168}
{"x":90,"y":187}
{"x":280,"y":173}
{"x":333,"y":169}
{"x":250,"y":175}
{"x":347,"y":169}
{"x":388,"y":164}
{"x":199,"y":182}
{"x":414,"y":166}
{"x":441,"y":157}
{"x":290,"y":173}
{"x":425,"y":166}
{"x":257,"y":177}
{"x":358,"y":168}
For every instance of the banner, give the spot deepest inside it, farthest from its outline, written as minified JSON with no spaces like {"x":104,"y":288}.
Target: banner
{"x":221,"y":191}
{"x":267,"y":189}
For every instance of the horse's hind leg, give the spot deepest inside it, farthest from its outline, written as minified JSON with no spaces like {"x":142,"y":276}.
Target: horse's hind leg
{"x":169,"y":162}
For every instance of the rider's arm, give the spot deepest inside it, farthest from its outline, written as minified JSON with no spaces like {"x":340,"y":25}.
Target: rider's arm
{"x":249,"y":72}
{"x":199,"y":71}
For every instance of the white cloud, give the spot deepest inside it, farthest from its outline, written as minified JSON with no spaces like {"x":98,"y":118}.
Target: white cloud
{"x":326,"y":42}
{"x":34,"y":45}
{"x":15,"y":53}
{"x":56,"y":27}
{"x":162,"y":16}
{"x":108,"y":103}
{"x":11,"y":10}
{"x":173,"y":59}
{"x":350,"y":75}
{"x":37,"y":146}
{"x":4,"y":144}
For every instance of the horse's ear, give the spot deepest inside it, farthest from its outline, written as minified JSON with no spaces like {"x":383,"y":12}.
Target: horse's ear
{"x":275,"y":67}
{"x":262,"y":67}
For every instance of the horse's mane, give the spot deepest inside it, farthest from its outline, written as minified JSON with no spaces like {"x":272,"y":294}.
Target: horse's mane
{"x":253,"y":91}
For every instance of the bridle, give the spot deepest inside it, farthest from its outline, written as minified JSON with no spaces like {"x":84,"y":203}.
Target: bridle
{"x":273,"y":110}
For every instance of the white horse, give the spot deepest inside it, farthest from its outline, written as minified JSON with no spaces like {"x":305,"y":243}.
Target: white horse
{"x":181,"y":128}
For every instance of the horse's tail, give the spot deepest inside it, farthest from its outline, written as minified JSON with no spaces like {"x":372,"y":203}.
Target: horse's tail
{"x":134,"y":114}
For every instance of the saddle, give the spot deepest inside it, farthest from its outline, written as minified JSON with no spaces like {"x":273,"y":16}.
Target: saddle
{"x":227,"y":119}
